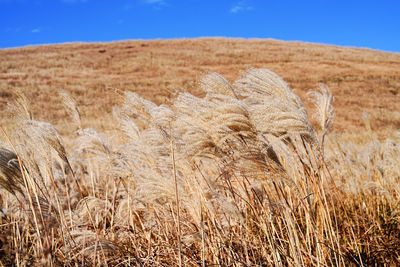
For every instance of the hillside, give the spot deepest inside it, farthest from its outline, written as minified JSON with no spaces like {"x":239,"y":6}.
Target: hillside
{"x":360,"y":79}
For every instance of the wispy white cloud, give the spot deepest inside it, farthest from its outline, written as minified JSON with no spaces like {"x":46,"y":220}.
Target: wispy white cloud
{"x":36,"y":30}
{"x":156,"y":4}
{"x":241,"y":6}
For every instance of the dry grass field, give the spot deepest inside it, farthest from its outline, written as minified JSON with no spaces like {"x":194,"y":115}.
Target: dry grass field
{"x":138,"y":153}
{"x":361,"y":80}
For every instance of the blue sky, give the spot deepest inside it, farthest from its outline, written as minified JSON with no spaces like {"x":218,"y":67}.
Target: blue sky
{"x":359,"y":23}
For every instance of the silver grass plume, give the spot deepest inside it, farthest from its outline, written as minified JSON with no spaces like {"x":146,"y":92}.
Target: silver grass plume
{"x":95,"y":160}
{"x":147,"y":152}
{"x":216,"y":122}
{"x":216,"y":84}
{"x":30,"y":174}
{"x":45,"y":163}
{"x":71,"y":108}
{"x":91,"y":142}
{"x":20,"y":107}
{"x":219,"y":127}
{"x":273,"y":107}
{"x":370,"y":168}
{"x":325,"y":112}
{"x":147,"y":112}
{"x":42,"y":143}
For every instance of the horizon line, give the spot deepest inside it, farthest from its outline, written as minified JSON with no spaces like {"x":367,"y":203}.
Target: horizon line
{"x":196,"y":38}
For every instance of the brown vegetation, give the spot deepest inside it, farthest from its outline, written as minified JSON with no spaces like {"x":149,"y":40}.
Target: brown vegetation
{"x":361,"y":80}
{"x":226,"y":173}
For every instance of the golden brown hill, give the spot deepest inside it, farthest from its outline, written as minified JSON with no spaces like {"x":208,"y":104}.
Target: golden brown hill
{"x":360,"y":79}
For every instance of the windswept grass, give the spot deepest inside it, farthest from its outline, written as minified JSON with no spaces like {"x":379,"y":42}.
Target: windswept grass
{"x":238,"y":177}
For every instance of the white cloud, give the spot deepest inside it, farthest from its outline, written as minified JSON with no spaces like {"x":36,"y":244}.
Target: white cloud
{"x":241,"y":6}
{"x":36,"y":30}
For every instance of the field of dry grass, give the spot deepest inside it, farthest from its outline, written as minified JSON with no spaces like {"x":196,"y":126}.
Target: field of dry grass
{"x":139,"y":153}
{"x":361,"y":80}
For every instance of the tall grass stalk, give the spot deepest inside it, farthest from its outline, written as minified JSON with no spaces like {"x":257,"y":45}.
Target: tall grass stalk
{"x":178,"y":217}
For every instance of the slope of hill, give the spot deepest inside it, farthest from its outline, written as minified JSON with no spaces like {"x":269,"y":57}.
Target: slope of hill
{"x":361,"y":80}
{"x":237,"y":177}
